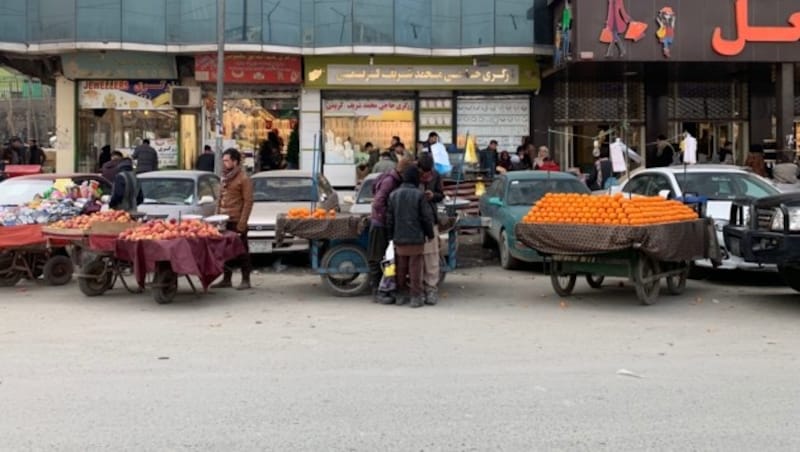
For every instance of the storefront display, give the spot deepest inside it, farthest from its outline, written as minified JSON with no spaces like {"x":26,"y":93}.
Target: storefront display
{"x":350,"y":124}
{"x":120,"y":114}
{"x":436,"y":115}
{"x":506,"y":119}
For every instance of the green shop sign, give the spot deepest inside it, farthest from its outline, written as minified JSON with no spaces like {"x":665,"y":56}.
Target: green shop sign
{"x":413,"y":73}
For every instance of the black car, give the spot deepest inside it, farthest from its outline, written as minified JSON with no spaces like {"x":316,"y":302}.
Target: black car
{"x":767,"y":231}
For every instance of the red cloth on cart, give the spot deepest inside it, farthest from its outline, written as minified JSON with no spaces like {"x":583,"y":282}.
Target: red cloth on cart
{"x":203,"y":258}
{"x":21,"y":236}
{"x":103,"y":243}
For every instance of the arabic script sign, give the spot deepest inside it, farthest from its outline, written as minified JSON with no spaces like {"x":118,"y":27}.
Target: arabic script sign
{"x":126,"y":94}
{"x":747,"y":33}
{"x":250,"y":68}
{"x":364,"y":107}
{"x":387,"y":75}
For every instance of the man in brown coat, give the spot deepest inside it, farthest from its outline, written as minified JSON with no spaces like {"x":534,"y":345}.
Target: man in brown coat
{"x":236,"y":201}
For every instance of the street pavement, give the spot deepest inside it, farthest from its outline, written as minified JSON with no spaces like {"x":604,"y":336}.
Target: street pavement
{"x":501,"y":364}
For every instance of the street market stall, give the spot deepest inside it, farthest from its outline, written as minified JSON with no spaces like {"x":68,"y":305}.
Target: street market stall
{"x":644,"y":240}
{"x":24,"y":254}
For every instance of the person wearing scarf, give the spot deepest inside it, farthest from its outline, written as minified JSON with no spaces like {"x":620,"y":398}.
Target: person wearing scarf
{"x":236,"y":201}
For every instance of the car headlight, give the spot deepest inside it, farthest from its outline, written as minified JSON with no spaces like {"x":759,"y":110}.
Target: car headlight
{"x":794,"y":219}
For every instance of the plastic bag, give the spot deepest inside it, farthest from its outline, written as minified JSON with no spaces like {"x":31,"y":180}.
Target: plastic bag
{"x":441,"y":160}
{"x":388,"y":282}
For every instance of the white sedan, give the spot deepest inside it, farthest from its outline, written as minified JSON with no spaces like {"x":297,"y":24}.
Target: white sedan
{"x":721,"y":184}
{"x":274,"y":193}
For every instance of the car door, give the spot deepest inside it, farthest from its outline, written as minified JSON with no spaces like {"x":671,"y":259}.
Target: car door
{"x":495,"y":212}
{"x":638,"y":185}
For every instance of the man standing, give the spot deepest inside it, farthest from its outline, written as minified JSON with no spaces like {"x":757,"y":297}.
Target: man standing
{"x":206,"y":160}
{"x":385,"y":163}
{"x":236,"y":201}
{"x":488,"y":159}
{"x":36,"y":154}
{"x":664,"y":152}
{"x":146,"y":157}
{"x":431,"y":185}
{"x":18,"y":155}
{"x":378,"y":237}
{"x":111,"y":167}
{"x":126,"y":194}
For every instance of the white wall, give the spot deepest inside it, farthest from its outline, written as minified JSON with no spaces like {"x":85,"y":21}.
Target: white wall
{"x":66,"y":133}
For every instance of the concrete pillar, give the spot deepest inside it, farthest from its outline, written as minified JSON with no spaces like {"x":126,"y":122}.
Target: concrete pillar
{"x":66,"y":128}
{"x":310,"y":125}
{"x":657,"y":106}
{"x":784,"y":103}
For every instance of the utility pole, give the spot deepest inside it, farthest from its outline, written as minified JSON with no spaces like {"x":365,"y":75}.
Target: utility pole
{"x":220,"y":83}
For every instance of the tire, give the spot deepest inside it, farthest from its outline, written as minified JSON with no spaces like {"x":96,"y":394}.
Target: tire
{"x":562,"y":284}
{"x":507,"y":261}
{"x":791,"y":275}
{"x":97,"y":278}
{"x":595,"y":281}
{"x":58,"y":270}
{"x":8,"y":277}
{"x":676,"y":284}
{"x":486,"y":239}
{"x":342,"y":278}
{"x":165,"y":284}
{"x":647,"y":292}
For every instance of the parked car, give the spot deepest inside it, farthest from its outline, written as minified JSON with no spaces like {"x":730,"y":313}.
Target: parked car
{"x":18,"y":191}
{"x":179,"y":193}
{"x":508,"y":199}
{"x":767,"y":231}
{"x":362,"y":202}
{"x":274,"y":193}
{"x":721,"y":184}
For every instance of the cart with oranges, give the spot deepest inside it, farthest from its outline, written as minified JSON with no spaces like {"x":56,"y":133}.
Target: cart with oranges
{"x":644,"y":240}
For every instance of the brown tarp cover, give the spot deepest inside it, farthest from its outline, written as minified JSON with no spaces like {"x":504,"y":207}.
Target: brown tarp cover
{"x":201,"y":257}
{"x":21,"y":236}
{"x":339,"y":228}
{"x":672,"y":242}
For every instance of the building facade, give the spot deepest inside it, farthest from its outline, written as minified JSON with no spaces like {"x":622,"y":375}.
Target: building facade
{"x":724,"y":70}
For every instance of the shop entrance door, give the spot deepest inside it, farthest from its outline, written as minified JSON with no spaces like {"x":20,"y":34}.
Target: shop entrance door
{"x":712,"y":137}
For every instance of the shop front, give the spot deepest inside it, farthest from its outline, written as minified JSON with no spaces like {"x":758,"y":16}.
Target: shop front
{"x":373,"y":99}
{"x":262,"y":95}
{"x":626,"y":67}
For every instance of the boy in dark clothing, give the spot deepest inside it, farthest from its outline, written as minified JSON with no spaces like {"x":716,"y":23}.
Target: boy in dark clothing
{"x":431,"y":185}
{"x":409,"y":223}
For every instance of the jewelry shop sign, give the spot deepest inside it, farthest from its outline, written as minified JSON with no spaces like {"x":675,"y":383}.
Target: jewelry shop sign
{"x":388,"y":75}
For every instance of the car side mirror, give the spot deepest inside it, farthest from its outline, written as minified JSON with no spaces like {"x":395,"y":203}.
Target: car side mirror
{"x":206,"y":200}
{"x":495,"y":201}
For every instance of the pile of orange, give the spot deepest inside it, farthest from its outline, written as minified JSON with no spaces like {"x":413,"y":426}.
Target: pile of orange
{"x":303,"y":213}
{"x":573,"y":208}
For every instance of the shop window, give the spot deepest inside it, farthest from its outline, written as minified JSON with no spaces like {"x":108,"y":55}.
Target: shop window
{"x":144,"y":21}
{"x":512,"y":25}
{"x":412,"y":24}
{"x":243,"y":21}
{"x":333,"y":23}
{"x":279,"y":23}
{"x":446,"y":24}
{"x":191,"y":21}
{"x":503,"y":118}
{"x":477,"y":23}
{"x":371,"y":23}
{"x":12,"y":20}
{"x":98,"y":20}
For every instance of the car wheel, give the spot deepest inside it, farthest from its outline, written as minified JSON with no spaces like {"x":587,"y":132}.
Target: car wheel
{"x":486,"y":239}
{"x":507,"y":261}
{"x":791,"y":274}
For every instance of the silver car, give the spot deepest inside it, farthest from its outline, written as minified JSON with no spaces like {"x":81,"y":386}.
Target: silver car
{"x":274,"y":193}
{"x":179,"y":193}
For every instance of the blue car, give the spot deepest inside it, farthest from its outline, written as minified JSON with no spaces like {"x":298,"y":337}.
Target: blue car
{"x":509,"y":199}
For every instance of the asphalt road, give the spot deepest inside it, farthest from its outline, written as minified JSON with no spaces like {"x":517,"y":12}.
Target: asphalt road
{"x":501,"y":364}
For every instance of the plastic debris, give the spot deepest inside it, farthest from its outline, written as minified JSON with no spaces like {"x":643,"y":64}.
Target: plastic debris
{"x":628,"y":373}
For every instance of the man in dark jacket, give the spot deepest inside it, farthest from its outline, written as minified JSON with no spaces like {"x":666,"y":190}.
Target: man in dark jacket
{"x":409,"y":223}
{"x":146,"y":157}
{"x":431,"y":185}
{"x":206,"y":160}
{"x":488,"y":159}
{"x":36,"y":154}
{"x":105,"y":156}
{"x":111,"y":167}
{"x":126,"y":194}
{"x":378,"y":237}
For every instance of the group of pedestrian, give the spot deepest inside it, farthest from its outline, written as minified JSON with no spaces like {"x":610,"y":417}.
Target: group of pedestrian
{"x":405,"y":213}
{"x":16,"y":153}
{"x":491,"y":162}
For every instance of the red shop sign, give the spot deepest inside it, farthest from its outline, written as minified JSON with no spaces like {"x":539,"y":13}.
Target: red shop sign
{"x":250,"y":69}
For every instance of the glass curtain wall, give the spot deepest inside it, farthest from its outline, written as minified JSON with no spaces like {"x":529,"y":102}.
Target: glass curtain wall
{"x":424,"y":24}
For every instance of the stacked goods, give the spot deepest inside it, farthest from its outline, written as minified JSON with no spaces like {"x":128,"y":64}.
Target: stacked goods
{"x":303,"y":213}
{"x":577,"y":209}
{"x":168,"y":230}
{"x":84,"y":222}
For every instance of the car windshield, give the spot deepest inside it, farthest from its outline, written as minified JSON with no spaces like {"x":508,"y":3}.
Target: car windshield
{"x":365,"y":194}
{"x":284,"y":189}
{"x":724,"y":186}
{"x":527,"y":192}
{"x":166,"y":190}
{"x":18,"y":192}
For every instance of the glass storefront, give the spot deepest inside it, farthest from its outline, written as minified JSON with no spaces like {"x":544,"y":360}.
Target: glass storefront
{"x":506,"y":119}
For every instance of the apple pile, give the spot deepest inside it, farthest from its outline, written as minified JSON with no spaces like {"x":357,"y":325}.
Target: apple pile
{"x":84,"y":222}
{"x":303,"y":213}
{"x":172,"y":229}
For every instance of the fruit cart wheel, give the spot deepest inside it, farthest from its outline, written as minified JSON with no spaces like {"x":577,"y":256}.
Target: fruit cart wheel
{"x":507,"y":261}
{"x":676,"y":284}
{"x":595,"y":281}
{"x":97,"y":278}
{"x":647,"y":292}
{"x":563,"y":284}
{"x":165,"y":285}
{"x":791,"y":275}
{"x":8,"y":276}
{"x":58,"y":270}
{"x":341,"y":265}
